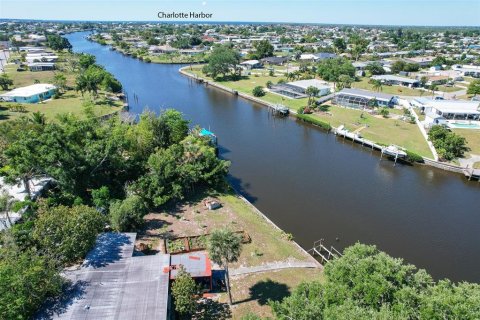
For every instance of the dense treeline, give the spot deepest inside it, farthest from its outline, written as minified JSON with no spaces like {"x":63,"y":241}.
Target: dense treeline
{"x":105,"y":172}
{"x":368,"y":284}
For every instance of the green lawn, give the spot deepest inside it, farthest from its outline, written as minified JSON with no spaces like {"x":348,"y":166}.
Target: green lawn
{"x":444,"y":88}
{"x":380,"y":130}
{"x":395,"y":90}
{"x":473,"y":139}
{"x":251,"y":292}
{"x":70,"y":102}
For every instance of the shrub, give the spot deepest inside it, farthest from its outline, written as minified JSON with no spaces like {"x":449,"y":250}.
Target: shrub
{"x":147,"y":60}
{"x":317,"y":122}
{"x":384,"y":112}
{"x":127,"y":215}
{"x":413,"y":157}
{"x":269,"y":84}
{"x":258,"y":91}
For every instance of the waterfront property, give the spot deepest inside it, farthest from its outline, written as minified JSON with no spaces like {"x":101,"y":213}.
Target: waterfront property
{"x":251,"y":64}
{"x":363,"y":99}
{"x":298,"y":89}
{"x":30,"y":94}
{"x":397,"y":80}
{"x":454,"y":113}
{"x":41,"y":66}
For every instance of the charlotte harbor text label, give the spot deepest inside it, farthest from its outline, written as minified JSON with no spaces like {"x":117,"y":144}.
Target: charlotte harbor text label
{"x":184,"y":15}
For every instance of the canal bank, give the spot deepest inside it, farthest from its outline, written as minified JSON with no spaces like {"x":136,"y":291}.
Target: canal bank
{"x":326,"y":126}
{"x":314,"y":185}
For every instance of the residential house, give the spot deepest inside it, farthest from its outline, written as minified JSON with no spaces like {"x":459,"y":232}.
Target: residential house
{"x":278,"y":61}
{"x":297,"y":89}
{"x":251,"y":64}
{"x":363,"y":99}
{"x":397,"y":80}
{"x":30,"y":94}
{"x":41,"y":66}
{"x":449,"y":110}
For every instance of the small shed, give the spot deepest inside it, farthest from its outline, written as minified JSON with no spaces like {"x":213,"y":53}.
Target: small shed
{"x":197,"y":264}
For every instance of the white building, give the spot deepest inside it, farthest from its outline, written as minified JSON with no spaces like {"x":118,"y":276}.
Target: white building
{"x":30,"y":94}
{"x":468,"y":70}
{"x":454,"y":113}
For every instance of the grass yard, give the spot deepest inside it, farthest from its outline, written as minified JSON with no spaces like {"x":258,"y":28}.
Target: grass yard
{"x":191,"y":218}
{"x":70,"y":102}
{"x":251,"y":292}
{"x":444,"y":88}
{"x":379,"y":129}
{"x":395,"y":90}
{"x":473,"y":140}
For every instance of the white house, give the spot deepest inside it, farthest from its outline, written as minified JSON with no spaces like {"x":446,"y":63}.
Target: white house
{"x":455,"y":113}
{"x":30,"y":94}
{"x":251,"y":64}
{"x":468,"y":70}
{"x":298,"y":89}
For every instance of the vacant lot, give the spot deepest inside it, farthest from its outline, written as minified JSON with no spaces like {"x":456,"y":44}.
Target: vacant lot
{"x":192,"y":218}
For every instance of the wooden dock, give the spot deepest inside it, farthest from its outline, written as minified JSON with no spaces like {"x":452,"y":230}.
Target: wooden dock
{"x":472,"y":173}
{"x":325,"y":254}
{"x":356,"y":137}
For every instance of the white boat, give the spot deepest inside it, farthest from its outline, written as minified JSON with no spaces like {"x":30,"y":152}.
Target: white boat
{"x":394,"y":151}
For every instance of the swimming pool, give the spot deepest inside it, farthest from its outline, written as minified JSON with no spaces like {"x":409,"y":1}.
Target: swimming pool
{"x":460,"y":125}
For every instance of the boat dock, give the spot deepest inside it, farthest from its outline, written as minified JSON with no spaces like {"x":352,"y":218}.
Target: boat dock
{"x":325,"y":254}
{"x":472,"y":173}
{"x":391,"y":151}
{"x":279,"y":109}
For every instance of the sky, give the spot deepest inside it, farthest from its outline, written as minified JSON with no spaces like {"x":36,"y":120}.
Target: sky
{"x":378,"y":12}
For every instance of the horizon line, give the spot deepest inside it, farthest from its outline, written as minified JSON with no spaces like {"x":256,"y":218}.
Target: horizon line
{"x":245,"y":22}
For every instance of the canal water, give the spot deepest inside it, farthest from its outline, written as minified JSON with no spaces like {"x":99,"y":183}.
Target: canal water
{"x":314,"y":185}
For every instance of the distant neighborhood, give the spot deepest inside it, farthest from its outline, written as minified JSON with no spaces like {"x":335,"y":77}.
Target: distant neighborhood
{"x":111,"y":214}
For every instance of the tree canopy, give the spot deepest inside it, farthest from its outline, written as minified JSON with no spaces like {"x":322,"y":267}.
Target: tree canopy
{"x":332,"y":69}
{"x":223,"y":61}
{"x":449,"y":145}
{"x":368,"y":284}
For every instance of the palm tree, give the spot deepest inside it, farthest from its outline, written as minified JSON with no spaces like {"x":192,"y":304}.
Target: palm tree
{"x":312,"y":92}
{"x":224,"y":247}
{"x":38,"y":118}
{"x":377,"y":85}
{"x":434,"y":88}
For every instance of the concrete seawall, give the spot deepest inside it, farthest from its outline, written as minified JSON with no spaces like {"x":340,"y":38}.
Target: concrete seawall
{"x":263,"y":216}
